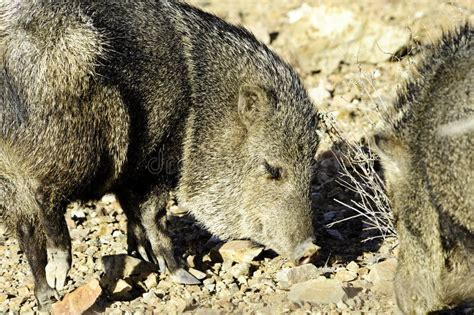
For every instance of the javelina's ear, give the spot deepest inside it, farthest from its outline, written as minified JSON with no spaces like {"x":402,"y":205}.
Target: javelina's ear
{"x":391,"y":150}
{"x":254,"y":103}
{"x":382,"y":143}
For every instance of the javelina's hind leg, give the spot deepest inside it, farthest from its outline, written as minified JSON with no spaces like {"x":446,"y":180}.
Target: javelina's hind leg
{"x":33,"y":244}
{"x":147,"y":232}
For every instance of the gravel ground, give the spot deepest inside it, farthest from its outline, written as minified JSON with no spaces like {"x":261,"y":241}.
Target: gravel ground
{"x":350,"y":75}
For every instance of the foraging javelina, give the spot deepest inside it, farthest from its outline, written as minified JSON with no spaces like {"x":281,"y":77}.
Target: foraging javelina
{"x":94,"y":93}
{"x":427,"y":154}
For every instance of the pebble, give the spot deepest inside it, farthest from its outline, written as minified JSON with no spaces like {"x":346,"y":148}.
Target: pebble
{"x":150,"y":298}
{"x":151,"y":281}
{"x":122,"y":288}
{"x":108,"y":199}
{"x":289,"y":276}
{"x":363,"y":271}
{"x":352,"y":266}
{"x":209,"y":284}
{"x":239,"y":270}
{"x":383,"y":271}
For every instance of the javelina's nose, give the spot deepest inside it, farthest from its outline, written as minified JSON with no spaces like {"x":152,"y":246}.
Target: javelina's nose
{"x":304,"y":252}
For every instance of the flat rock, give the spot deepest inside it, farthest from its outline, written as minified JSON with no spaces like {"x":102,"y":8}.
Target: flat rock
{"x":239,"y":251}
{"x":383,"y":271}
{"x":197,"y":273}
{"x":345,"y":275}
{"x":289,"y":276}
{"x":79,"y":300}
{"x":318,"y":291}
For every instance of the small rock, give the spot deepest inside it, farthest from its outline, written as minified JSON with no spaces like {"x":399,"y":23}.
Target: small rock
{"x":177,"y":304}
{"x":329,"y":216}
{"x":117,"y":233}
{"x":239,"y":251}
{"x":108,"y":199}
{"x":209,"y":284}
{"x":24,"y":291}
{"x":363,"y":271}
{"x":335,"y":234}
{"x":318,"y":291}
{"x":79,"y":300}
{"x":290,"y":276}
{"x":345,"y":275}
{"x":78,"y":214}
{"x":352,"y":266}
{"x":239,"y":270}
{"x":383,"y":271}
{"x":226,"y":265}
{"x":242,"y":280}
{"x":191,"y":261}
{"x":122,"y":288}
{"x":341,"y":305}
{"x":150,"y":281}
{"x":197,"y":273}
{"x":150,"y":298}
{"x":165,"y":284}
{"x":233,"y":288}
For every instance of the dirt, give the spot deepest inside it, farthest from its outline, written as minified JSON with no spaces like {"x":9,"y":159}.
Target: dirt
{"x":351,"y":83}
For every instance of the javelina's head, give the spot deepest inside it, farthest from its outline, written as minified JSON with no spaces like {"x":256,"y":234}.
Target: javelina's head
{"x":247,"y":173}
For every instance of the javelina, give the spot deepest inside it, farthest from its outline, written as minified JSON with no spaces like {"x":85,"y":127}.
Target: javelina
{"x":93,"y":93}
{"x":427,"y":153}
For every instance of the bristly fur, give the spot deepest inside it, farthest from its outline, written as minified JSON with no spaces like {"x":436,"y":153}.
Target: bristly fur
{"x":141,"y":98}
{"x":452,"y":45}
{"x":426,"y":151}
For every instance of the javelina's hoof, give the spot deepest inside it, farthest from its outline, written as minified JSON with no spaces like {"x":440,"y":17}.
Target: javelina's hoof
{"x":181,"y":276}
{"x":57,"y":268}
{"x":45,"y":298}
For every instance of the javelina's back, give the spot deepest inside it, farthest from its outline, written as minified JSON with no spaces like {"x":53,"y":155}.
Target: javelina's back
{"x":427,"y":154}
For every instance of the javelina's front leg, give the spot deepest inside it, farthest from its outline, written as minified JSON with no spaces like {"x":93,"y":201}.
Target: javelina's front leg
{"x":33,"y":244}
{"x":58,"y":241}
{"x":147,"y":233}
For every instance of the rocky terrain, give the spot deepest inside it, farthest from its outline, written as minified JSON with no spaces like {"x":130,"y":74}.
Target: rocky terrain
{"x":351,"y":55}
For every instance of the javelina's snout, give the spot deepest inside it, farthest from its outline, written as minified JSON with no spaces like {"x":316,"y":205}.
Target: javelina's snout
{"x":305,"y":252}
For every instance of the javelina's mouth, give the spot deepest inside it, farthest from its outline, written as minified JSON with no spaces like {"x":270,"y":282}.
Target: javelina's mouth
{"x":305,"y":253}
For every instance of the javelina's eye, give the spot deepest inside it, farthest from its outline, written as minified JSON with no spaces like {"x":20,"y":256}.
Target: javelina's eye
{"x":273,"y":171}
